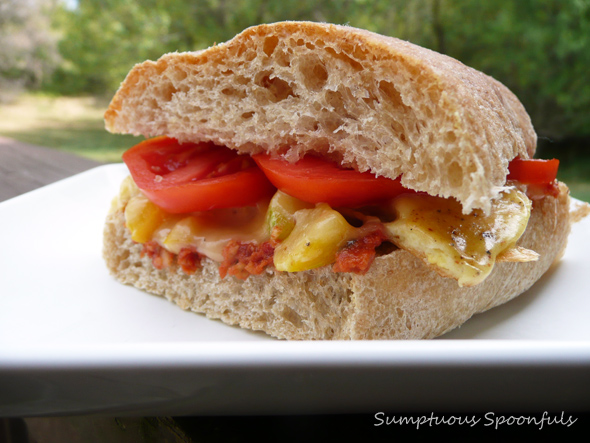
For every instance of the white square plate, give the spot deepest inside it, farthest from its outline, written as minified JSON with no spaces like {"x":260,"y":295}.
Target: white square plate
{"x":73,"y":340}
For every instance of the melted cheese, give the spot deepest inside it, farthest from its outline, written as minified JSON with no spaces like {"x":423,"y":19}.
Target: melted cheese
{"x":206,"y":232}
{"x":463,"y":247}
{"x":209,"y":232}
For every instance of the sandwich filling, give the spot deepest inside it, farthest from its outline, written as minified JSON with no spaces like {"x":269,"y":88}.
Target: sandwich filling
{"x":314,"y":213}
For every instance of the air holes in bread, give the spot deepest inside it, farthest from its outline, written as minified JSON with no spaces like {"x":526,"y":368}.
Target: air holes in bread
{"x":231,"y":92}
{"x":291,"y":316}
{"x":345,"y":58}
{"x":270,"y":43}
{"x":398,"y":130}
{"x":455,"y":175}
{"x":166,"y":91}
{"x":177,"y":76}
{"x":335,"y":101}
{"x":314,"y":73}
{"x":450,"y":137}
{"x":279,"y":89}
{"x":307,"y":123}
{"x":390,"y":94}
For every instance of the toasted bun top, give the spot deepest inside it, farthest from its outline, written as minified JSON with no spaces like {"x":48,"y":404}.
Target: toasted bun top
{"x":372,"y":102}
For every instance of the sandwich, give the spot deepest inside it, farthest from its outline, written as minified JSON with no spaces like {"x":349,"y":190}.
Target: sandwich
{"x":316,"y":181}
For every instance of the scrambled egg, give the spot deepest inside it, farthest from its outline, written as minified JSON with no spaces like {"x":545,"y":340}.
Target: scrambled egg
{"x":463,"y":247}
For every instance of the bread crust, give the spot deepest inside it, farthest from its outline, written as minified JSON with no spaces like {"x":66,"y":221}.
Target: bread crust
{"x":399,"y":298}
{"x":371,"y":102}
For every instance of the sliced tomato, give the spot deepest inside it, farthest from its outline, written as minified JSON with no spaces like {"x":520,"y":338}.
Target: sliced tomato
{"x":315,"y":180}
{"x":533,"y":171}
{"x":191,"y":177}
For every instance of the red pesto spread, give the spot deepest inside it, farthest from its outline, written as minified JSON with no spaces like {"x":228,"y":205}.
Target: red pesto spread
{"x":359,"y":254}
{"x":242,"y":259}
{"x":188,"y":259}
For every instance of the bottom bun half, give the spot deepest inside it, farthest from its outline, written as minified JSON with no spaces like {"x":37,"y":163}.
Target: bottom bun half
{"x":400,"y":297}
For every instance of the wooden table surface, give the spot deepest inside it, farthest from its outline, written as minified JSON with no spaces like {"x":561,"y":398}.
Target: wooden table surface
{"x":25,"y":167}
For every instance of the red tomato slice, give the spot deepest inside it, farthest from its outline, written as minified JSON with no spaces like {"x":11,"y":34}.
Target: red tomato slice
{"x":533,"y":171}
{"x":317,"y":180}
{"x":189,"y":177}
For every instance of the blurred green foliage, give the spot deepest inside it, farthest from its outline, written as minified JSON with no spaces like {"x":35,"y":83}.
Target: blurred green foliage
{"x":539,"y":48}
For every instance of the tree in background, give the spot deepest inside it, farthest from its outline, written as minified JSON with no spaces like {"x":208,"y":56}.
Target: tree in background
{"x":28,"y":51}
{"x":538,"y":48}
{"x":102,"y":39}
